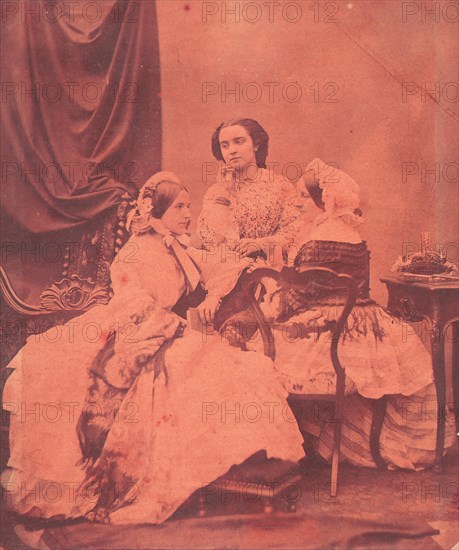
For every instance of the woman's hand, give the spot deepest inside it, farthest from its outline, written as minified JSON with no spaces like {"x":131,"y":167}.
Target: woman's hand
{"x":208,"y":309}
{"x":239,"y":329}
{"x":247,"y":247}
{"x":228,"y":178}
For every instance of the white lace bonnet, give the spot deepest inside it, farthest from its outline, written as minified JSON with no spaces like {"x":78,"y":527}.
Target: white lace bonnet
{"x":340,"y":193}
{"x":139,"y":219}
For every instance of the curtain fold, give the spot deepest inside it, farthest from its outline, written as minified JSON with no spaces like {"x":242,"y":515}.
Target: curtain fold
{"x":81,"y":108}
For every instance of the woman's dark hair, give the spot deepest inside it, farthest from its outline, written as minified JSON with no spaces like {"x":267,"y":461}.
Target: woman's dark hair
{"x":258,"y":134}
{"x":312,"y":185}
{"x":163,"y":195}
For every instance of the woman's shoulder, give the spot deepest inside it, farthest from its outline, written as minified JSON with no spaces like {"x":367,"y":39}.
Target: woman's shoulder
{"x":276,"y":179}
{"x":321,"y":251}
{"x":140,"y":248}
{"x":335,"y":229}
{"x":334,"y":245}
{"x":140,"y":264}
{"x":331,"y":244}
{"x":215,"y":190}
{"x":276,"y":184}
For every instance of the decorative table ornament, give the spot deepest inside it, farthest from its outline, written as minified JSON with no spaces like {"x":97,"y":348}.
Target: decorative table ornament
{"x":428,"y":265}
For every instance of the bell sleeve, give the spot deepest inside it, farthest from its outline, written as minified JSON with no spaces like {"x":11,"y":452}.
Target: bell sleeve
{"x":142,"y":326}
{"x":220,"y":269}
{"x":214,"y":221}
{"x":129,"y":291}
{"x":288,"y":224}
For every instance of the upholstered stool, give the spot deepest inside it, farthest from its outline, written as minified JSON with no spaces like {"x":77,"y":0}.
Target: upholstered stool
{"x":259,"y":480}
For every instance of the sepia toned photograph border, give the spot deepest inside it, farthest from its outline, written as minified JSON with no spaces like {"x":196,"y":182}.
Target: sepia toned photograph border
{"x":229,"y":311}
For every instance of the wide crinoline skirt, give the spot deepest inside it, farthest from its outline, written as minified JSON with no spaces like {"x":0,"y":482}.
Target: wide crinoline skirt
{"x":377,"y":352}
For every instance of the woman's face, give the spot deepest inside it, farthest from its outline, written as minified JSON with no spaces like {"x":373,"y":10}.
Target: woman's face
{"x":178,"y":216}
{"x":308,"y":208}
{"x":237,"y":148}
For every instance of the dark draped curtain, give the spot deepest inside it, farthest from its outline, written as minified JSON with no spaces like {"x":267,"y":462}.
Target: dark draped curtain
{"x":81,"y":108}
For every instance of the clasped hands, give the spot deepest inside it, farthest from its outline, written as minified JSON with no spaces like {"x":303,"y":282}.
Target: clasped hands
{"x":246,"y":248}
{"x":208,"y":309}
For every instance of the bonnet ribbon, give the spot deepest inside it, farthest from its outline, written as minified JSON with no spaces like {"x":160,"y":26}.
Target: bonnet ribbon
{"x":189,"y":268}
{"x":177,"y":244}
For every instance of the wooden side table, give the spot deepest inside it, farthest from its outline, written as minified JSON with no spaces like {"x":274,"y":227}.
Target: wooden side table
{"x":438,"y":303}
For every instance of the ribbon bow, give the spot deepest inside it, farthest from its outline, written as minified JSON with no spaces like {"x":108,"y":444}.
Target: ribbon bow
{"x":177,"y":244}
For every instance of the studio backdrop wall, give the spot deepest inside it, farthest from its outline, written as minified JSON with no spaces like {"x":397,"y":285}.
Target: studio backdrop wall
{"x":81,"y":117}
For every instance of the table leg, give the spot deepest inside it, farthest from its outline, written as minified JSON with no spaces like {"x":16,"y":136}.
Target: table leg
{"x":455,"y":372}
{"x":438,"y":364}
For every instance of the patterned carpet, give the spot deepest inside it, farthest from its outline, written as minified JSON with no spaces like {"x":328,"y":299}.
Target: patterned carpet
{"x":374,"y":510}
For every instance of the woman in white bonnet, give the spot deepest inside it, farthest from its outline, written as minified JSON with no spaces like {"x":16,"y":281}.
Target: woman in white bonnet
{"x":378,"y":359}
{"x":330,"y":210}
{"x":136,"y":424}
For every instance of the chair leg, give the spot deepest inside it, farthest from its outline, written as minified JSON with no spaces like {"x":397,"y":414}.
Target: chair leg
{"x":202,"y":508}
{"x":291,"y":507}
{"x":379,"y":412}
{"x":335,"y":459}
{"x":268,"y":506}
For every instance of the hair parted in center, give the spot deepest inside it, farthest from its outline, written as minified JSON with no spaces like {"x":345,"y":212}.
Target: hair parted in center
{"x":258,"y":134}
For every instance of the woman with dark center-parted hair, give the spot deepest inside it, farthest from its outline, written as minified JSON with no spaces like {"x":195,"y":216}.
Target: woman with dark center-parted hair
{"x":249,"y":208}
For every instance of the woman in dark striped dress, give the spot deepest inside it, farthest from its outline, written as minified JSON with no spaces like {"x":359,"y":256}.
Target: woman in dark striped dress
{"x":379,"y":356}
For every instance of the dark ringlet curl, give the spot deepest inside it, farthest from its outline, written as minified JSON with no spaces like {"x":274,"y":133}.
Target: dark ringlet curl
{"x":258,"y":134}
{"x":312,"y":185}
{"x":314,"y":189}
{"x":163,"y":195}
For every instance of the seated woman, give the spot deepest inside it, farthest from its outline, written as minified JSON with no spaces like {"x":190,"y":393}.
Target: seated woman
{"x":250,"y":208}
{"x":132,"y":414}
{"x":378,"y":357}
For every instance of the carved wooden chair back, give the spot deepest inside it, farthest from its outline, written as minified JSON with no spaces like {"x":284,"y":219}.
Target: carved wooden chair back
{"x":83,"y":283}
{"x":312,"y":282}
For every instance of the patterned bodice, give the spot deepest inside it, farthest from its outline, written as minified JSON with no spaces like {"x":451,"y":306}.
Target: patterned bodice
{"x":347,"y":258}
{"x":260,"y":208}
